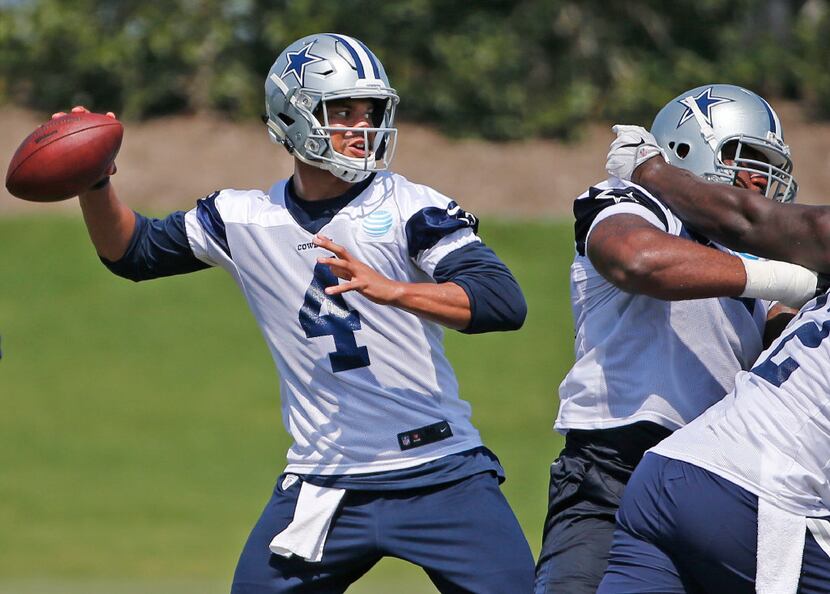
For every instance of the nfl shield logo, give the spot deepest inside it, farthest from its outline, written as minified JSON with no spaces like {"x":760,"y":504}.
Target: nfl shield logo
{"x":405,"y":440}
{"x":289,"y":480}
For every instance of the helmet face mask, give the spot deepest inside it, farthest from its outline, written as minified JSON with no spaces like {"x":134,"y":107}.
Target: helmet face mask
{"x":753,"y":156}
{"x":719,"y":131}
{"x":310,"y":74}
{"x":379,"y":139}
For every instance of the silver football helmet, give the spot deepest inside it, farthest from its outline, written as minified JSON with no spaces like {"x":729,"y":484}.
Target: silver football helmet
{"x":705,"y":127}
{"x":313,"y":71}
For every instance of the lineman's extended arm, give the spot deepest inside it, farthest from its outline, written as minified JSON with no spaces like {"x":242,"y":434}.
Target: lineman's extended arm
{"x":742,"y":219}
{"x":738,"y":218}
{"x":637,"y":257}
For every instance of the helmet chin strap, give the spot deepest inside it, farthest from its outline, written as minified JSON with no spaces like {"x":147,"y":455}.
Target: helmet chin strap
{"x":705,"y":129}
{"x":349,"y":169}
{"x":347,"y":174}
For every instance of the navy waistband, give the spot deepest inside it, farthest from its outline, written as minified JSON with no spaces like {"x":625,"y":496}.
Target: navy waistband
{"x":625,"y":445}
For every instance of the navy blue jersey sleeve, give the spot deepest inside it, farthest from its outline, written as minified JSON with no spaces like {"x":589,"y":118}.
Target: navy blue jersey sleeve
{"x":496,"y":301}
{"x":431,"y":224}
{"x":158,"y":248}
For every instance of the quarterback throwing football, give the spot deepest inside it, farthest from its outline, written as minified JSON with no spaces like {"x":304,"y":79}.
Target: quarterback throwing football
{"x":351,"y":271}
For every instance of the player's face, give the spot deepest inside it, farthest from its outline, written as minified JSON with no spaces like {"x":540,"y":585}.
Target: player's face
{"x":757,"y":182}
{"x":351,"y":113}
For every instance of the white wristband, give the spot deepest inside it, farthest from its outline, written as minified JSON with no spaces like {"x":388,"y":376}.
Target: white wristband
{"x":790,"y":284}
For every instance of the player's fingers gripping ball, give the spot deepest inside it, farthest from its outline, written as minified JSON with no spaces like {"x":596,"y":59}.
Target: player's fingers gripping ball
{"x":67,"y":155}
{"x":633,"y":146}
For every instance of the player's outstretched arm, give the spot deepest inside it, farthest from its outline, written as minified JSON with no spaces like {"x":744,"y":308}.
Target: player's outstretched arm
{"x":742,"y":219}
{"x":637,"y":257}
{"x":737,"y":218}
{"x":131,"y":245}
{"x":109,"y":222}
{"x":445,"y":303}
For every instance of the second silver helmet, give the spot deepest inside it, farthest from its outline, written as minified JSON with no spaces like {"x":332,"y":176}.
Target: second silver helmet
{"x":707,"y":130}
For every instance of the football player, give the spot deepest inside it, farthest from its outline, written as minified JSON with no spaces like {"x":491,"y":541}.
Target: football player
{"x":739,"y":499}
{"x":351,"y":271}
{"x":664,"y":319}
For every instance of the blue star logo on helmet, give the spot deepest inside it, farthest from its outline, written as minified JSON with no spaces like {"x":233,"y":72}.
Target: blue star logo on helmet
{"x":297,"y":62}
{"x":705,"y":102}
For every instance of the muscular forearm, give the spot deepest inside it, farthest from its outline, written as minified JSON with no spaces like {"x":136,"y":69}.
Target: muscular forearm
{"x":724,"y":213}
{"x":110,"y":223}
{"x":671,"y":270}
{"x":741,"y":219}
{"x":639,"y":258}
{"x":444,"y":303}
{"x":687,"y":279}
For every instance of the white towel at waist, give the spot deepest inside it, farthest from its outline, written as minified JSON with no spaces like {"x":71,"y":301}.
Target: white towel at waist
{"x":781,"y":537}
{"x":306,"y":535}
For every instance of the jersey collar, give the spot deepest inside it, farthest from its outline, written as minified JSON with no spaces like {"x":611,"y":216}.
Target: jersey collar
{"x":313,"y":215}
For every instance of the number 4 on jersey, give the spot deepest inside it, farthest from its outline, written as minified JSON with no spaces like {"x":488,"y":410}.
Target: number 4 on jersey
{"x":340,"y":322}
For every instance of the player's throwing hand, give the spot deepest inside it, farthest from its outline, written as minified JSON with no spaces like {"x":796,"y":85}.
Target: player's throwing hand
{"x":81,"y":109}
{"x":360,"y":277}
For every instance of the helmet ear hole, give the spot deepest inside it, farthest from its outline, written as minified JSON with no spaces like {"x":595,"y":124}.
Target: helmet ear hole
{"x":682,"y":150}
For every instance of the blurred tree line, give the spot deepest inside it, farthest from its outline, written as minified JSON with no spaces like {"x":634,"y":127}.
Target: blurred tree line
{"x":494,"y":68}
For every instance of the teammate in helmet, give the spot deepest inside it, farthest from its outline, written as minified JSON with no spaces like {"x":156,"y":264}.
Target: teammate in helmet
{"x":739,"y":499}
{"x":733,"y":136}
{"x":664,"y":319}
{"x":351,"y":271}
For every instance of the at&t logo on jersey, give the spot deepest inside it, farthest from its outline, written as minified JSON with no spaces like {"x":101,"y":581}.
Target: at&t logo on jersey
{"x":377,"y":223}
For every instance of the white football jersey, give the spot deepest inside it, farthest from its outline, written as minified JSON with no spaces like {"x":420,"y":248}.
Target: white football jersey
{"x":354,"y":375}
{"x":640,"y":358}
{"x":771,"y":435}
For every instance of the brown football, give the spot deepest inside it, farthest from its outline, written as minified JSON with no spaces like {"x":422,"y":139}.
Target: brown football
{"x":64,"y":157}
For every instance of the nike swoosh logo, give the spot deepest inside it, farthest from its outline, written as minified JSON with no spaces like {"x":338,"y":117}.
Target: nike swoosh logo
{"x":633,"y":145}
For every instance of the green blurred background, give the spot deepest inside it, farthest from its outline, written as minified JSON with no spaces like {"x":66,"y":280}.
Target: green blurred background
{"x":140,"y":423}
{"x":495,"y":68}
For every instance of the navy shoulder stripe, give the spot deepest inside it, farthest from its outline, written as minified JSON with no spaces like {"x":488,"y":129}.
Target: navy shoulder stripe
{"x":429,"y":225}
{"x":587,"y":209}
{"x":211,"y":221}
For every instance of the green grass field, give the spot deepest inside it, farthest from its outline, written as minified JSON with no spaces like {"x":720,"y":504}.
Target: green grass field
{"x":140,"y":423}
